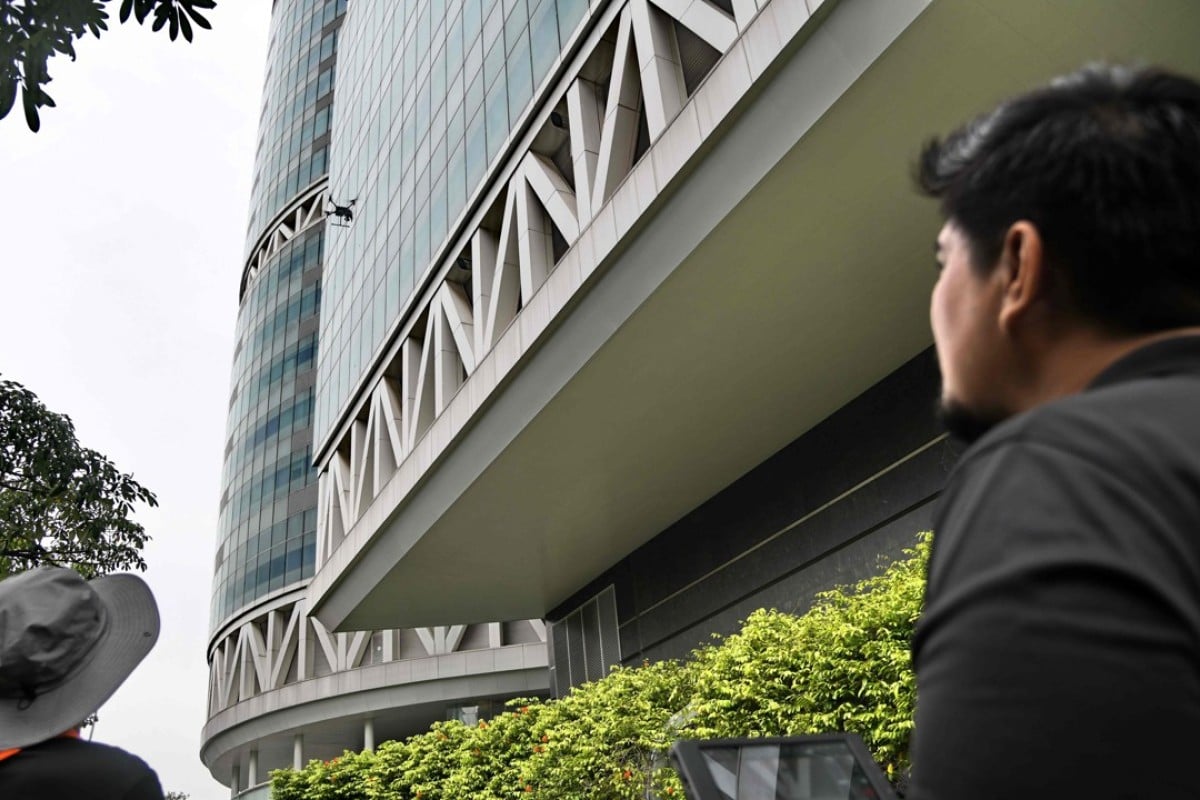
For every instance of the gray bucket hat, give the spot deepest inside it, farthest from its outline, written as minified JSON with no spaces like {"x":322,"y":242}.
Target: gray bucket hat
{"x":66,"y":644}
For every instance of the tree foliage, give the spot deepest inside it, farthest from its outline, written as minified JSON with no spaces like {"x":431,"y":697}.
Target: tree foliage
{"x":61,"y":503}
{"x":31,"y":31}
{"x":843,"y":666}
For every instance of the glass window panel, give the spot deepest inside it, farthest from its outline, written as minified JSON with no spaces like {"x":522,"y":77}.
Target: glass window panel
{"x":454,"y":126}
{"x":476,"y":151}
{"x":474,"y":94}
{"x":407,"y":270}
{"x":472,"y":16}
{"x":520,"y":78}
{"x":496,"y":112}
{"x":422,"y":110}
{"x":543,"y":35}
{"x":493,"y":24}
{"x":421,"y":240}
{"x":437,"y":212}
{"x":456,"y":181}
{"x":437,"y":77}
{"x":454,"y":42}
{"x":473,"y":56}
{"x":493,"y":64}
{"x":570,"y":12}
{"x":516,"y":22}
{"x":454,"y":90}
{"x":437,"y":161}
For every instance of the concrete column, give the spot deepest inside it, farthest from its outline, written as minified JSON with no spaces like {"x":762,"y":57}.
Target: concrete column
{"x":252,"y":770}
{"x":368,"y":734}
{"x":298,"y":751}
{"x":235,"y":780}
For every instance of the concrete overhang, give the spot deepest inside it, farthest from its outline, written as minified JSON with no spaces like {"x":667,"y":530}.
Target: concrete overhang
{"x":784,"y":273}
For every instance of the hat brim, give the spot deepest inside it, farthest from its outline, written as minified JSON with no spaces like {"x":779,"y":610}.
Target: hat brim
{"x":132,"y":631}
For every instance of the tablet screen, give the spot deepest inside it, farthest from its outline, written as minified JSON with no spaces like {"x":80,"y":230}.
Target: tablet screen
{"x":825,"y":770}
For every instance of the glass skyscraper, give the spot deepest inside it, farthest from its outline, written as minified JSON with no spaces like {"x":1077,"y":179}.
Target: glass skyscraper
{"x":267,"y":534}
{"x":621,"y":334}
{"x":283,"y":688}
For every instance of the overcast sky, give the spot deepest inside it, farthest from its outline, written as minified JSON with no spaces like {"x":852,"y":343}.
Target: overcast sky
{"x":121,"y":235}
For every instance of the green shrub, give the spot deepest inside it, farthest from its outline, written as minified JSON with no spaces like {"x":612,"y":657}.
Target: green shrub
{"x":610,"y":738}
{"x":842,"y":666}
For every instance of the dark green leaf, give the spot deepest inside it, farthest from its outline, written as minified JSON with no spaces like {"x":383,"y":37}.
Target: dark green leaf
{"x":8,"y":96}
{"x":29,"y":102}
{"x":198,"y":18}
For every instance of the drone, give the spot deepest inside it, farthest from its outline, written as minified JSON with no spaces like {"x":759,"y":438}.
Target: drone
{"x":342,"y":215}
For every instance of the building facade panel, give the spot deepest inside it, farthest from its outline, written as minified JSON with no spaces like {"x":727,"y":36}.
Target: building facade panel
{"x":827,"y":510}
{"x":283,"y":688}
{"x":699,"y":247}
{"x":294,"y":128}
{"x":266,"y":537}
{"x":418,"y":133}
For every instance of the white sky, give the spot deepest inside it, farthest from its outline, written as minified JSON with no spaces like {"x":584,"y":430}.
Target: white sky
{"x":121,"y":234}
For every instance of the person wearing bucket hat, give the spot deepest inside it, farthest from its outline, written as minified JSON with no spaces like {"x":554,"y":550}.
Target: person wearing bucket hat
{"x":66,"y":644}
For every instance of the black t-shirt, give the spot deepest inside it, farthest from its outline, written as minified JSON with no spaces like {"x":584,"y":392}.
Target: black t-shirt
{"x":1058,"y":655}
{"x":79,"y":770}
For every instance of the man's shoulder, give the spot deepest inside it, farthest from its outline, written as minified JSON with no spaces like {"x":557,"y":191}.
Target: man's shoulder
{"x":1152,"y":419}
{"x":101,"y":752}
{"x":75,"y":760}
{"x":1076,"y":480}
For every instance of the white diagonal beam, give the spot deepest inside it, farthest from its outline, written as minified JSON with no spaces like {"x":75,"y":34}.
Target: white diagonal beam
{"x":584,"y":111}
{"x":389,"y":431}
{"x":410,"y":377}
{"x":618,"y":136}
{"x":659,"y":64}
{"x":506,"y":286}
{"x":362,"y":453}
{"x":456,"y":310}
{"x":534,"y":239}
{"x":703,"y":19}
{"x":423,"y":411}
{"x":484,"y":245}
{"x":555,"y":194}
{"x":284,"y":640}
{"x":454,"y":636}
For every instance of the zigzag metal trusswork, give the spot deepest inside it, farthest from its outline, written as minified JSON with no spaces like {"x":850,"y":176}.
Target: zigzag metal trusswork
{"x":284,"y":645}
{"x":612,"y":121}
{"x":307,"y":211}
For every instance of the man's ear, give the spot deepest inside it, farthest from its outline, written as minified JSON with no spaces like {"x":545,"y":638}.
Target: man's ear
{"x":1023,"y":266}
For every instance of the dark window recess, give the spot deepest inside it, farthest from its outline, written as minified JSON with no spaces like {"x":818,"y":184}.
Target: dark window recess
{"x":584,"y":644}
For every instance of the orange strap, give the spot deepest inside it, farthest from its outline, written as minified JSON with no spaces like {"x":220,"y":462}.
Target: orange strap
{"x":73,"y":733}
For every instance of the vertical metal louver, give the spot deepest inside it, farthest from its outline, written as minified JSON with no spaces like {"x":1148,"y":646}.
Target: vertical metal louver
{"x":584,"y":644}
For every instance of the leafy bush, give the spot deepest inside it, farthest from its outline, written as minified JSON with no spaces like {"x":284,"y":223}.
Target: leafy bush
{"x":610,"y":738}
{"x":842,"y":666}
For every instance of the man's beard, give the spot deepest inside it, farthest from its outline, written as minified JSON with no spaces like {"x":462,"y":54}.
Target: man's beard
{"x":963,"y":423}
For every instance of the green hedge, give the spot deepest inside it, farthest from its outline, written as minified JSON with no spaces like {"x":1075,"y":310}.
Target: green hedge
{"x":842,"y":666}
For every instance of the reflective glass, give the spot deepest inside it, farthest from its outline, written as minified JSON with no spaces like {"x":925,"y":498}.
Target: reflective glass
{"x":430,"y":92}
{"x":264,"y":507}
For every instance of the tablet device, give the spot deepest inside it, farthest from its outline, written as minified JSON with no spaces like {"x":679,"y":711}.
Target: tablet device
{"x":834,"y":766}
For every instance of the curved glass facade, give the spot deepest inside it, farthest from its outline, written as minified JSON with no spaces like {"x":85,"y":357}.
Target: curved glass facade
{"x":293,"y":132}
{"x":441,"y":84}
{"x":267,"y":524}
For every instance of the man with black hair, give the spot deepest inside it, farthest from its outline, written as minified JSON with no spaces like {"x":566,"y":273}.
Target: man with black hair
{"x":1058,"y":655}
